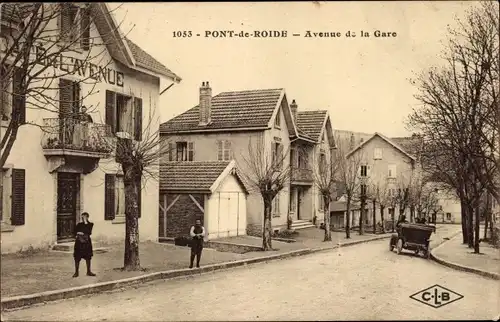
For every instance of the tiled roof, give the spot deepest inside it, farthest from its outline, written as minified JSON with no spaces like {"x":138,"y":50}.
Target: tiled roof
{"x":311,"y":122}
{"x":190,"y":176}
{"x":230,"y":110}
{"x":412,"y":144}
{"x":145,"y":60}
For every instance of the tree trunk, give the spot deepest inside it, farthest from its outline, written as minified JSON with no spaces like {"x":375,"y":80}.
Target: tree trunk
{"x":267,"y":229}
{"x":465,"y":235}
{"x":487,"y":215}
{"x":476,"y":229}
{"x":382,"y":218}
{"x":470,"y":225}
{"x":131,"y":259}
{"x":412,"y":213}
{"x":348,"y":219}
{"x":362,"y":215}
{"x":10,"y":142}
{"x":328,"y":233}
{"x":393,"y":219}
{"x":374,"y":217}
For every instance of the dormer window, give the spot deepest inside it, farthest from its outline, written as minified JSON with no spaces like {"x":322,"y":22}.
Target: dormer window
{"x":75,"y":24}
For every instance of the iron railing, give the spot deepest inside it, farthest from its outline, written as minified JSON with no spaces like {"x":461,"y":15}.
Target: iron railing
{"x":72,"y":134}
{"x":302,"y":174}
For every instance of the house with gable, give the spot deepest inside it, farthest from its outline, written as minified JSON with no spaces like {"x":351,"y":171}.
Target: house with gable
{"x":221,"y":127}
{"x":52,"y":175}
{"x":384,"y":164}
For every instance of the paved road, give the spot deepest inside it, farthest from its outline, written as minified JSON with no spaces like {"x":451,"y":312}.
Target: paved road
{"x":355,"y":283}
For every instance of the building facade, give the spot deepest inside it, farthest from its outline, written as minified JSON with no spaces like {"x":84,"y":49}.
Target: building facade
{"x":62,"y":166}
{"x":230,"y":125}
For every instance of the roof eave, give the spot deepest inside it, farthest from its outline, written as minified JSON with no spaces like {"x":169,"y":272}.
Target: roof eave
{"x":190,"y":131}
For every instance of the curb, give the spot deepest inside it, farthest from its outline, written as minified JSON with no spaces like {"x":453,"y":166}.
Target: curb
{"x":31,"y":299}
{"x":459,"y":267}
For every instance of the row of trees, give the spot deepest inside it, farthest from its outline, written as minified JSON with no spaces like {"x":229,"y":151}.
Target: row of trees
{"x":459,"y":117}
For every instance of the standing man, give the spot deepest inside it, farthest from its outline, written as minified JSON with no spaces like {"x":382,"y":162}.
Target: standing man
{"x":197,"y":234}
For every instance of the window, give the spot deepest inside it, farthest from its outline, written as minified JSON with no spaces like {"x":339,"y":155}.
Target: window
{"x":448,"y":216}
{"x":9,"y":86}
{"x":114,"y":197}
{"x":224,"y":150}
{"x":363,"y":189}
{"x":392,"y":171}
{"x":12,"y":196}
{"x":377,"y":154}
{"x":124,"y":114}
{"x":302,"y":159}
{"x":69,"y":97}
{"x":363,"y":170}
{"x":277,"y":155}
{"x":391,"y":211}
{"x":119,"y":197}
{"x":322,"y":161}
{"x":69,"y":23}
{"x":277,"y":120}
{"x":276,"y":206}
{"x":184,"y":151}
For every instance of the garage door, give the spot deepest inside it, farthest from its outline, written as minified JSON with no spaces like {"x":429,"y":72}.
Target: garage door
{"x":229,"y":214}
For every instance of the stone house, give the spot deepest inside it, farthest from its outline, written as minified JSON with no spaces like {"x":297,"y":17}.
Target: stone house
{"x":52,"y":175}
{"x":222,"y":128}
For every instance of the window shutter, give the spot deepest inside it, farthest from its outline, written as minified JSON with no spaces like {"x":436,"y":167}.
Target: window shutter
{"x":85,"y":27}
{"x":227,"y":150}
{"x":220,"y":147}
{"x":280,"y":155}
{"x":18,"y":200}
{"x":109,"y":197}
{"x":171,"y":148}
{"x":111,"y":110}
{"x":190,"y":151}
{"x":65,"y":97}
{"x":19,"y":99}
{"x":138,"y":119}
{"x":274,"y":157}
{"x":139,"y":196}
{"x":65,"y":20}
{"x":75,"y":97}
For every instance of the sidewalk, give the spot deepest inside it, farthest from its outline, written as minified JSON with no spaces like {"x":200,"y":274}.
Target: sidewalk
{"x":456,"y":255}
{"x":50,"y":270}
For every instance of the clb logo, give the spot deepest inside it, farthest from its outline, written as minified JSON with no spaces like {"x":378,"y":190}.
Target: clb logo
{"x":436,"y":296}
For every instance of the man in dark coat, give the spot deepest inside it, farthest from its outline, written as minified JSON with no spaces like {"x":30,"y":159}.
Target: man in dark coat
{"x":197,"y":234}
{"x":83,"y":244}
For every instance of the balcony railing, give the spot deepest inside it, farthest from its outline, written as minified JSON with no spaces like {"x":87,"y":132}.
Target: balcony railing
{"x":302,"y":175}
{"x":70,"y":134}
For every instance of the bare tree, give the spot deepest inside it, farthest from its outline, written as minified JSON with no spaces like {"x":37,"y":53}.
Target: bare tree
{"x":347,"y":175}
{"x":324,"y":179}
{"x":459,"y":116}
{"x":42,"y":44}
{"x":266,"y":173}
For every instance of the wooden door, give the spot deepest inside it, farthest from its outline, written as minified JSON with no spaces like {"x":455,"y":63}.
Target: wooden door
{"x":68,"y":188}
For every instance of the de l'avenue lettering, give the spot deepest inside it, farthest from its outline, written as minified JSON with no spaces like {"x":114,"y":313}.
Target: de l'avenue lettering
{"x":72,"y":65}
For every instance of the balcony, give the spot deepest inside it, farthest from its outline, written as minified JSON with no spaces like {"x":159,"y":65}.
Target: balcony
{"x":79,"y":145}
{"x":302,"y":176}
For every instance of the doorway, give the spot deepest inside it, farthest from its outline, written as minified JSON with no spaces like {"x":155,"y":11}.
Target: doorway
{"x":299,"y":202}
{"x":68,"y":193}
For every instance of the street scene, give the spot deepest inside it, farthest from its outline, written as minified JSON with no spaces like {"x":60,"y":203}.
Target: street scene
{"x":209,"y":162}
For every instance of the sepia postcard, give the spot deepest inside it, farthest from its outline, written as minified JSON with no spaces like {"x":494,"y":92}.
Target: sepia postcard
{"x":250,"y":161}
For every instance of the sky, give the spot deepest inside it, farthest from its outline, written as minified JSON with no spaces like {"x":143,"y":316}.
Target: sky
{"x":362,"y":81}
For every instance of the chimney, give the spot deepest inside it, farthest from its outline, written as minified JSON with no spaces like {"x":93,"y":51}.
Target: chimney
{"x":205,"y":103}
{"x":351,"y":145}
{"x":293,"y":107}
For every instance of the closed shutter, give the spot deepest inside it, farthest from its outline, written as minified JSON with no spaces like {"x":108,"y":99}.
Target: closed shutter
{"x":76,"y":97}
{"x":19,"y":99}
{"x":85,"y":27}
{"x":18,"y":197}
{"x":65,"y":97}
{"x":139,"y":196}
{"x":109,"y":197}
{"x":227,"y":150}
{"x":65,"y":20}
{"x":111,"y":110}
{"x":280,"y":155}
{"x":190,"y":151}
{"x":138,"y":119}
{"x":171,"y":148}
{"x":273,"y":154}
{"x":220,"y":152}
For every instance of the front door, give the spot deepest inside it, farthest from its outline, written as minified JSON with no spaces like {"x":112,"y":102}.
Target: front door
{"x":68,"y":188}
